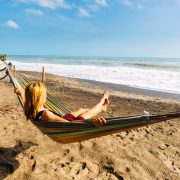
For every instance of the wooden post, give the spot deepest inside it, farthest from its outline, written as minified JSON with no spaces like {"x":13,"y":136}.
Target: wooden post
{"x":43,"y":74}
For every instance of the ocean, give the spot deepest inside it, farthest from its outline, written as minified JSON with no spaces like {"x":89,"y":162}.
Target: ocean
{"x":159,"y":74}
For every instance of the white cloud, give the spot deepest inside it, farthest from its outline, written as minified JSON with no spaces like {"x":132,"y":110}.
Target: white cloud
{"x":34,"y":12}
{"x":101,"y":2}
{"x":48,"y":3}
{"x":131,"y":4}
{"x":128,"y":3}
{"x":11,"y":24}
{"x":97,"y":4}
{"x":83,"y":12}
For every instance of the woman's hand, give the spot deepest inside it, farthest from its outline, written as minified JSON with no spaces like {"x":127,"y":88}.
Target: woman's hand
{"x":99,"y":121}
{"x":18,"y":91}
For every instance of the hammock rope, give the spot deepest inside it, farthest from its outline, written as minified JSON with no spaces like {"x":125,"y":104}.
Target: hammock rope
{"x":3,"y":69}
{"x":4,"y":77}
{"x":77,"y":131}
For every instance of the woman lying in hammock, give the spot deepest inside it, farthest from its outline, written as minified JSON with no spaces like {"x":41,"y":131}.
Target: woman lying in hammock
{"x":34,"y":100}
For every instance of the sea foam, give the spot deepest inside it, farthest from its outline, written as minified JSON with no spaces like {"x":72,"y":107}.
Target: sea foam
{"x":153,"y":79}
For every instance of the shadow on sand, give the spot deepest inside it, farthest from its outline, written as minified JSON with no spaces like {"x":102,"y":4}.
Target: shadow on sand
{"x":8,"y":162}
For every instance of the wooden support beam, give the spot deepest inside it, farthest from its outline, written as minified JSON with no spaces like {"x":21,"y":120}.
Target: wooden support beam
{"x":43,"y":74}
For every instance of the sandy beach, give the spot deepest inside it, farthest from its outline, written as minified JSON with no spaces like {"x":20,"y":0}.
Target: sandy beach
{"x":151,"y":152}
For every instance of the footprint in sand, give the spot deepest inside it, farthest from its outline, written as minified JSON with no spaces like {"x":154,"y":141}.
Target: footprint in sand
{"x":110,"y":169}
{"x":79,"y":169}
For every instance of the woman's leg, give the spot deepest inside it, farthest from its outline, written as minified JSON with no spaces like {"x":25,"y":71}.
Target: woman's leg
{"x":100,"y":107}
{"x":78,"y":112}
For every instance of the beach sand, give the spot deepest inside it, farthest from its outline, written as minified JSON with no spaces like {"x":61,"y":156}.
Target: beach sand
{"x":151,"y":152}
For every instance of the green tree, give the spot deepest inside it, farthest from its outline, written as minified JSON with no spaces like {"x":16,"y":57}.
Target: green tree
{"x":3,"y":57}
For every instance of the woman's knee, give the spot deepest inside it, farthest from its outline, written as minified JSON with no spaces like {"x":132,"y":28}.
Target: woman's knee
{"x":83,"y":109}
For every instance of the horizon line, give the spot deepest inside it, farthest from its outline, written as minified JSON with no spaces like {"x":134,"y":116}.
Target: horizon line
{"x":92,"y":56}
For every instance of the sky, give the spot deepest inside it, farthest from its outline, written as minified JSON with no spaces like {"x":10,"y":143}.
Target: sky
{"x":115,"y":28}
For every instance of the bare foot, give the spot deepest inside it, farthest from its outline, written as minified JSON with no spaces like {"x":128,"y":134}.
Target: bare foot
{"x":106,"y":103}
{"x":105,"y":97}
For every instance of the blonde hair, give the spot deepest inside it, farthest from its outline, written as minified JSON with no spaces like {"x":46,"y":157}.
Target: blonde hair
{"x":35,"y":97}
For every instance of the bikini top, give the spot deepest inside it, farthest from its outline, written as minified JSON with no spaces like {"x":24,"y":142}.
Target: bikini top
{"x":39,"y":116}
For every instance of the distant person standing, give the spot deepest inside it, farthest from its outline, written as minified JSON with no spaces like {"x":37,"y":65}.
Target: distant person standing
{"x":10,"y":66}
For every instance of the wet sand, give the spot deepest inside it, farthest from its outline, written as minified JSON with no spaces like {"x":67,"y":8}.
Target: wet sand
{"x":134,"y":90}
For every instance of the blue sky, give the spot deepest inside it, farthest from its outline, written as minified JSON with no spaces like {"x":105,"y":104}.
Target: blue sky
{"x":126,"y":28}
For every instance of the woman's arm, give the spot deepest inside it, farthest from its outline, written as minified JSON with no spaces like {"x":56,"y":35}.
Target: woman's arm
{"x":51,"y":117}
{"x":20,"y":92}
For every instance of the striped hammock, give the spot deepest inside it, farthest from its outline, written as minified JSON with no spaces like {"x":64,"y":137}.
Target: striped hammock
{"x":78,"y":131}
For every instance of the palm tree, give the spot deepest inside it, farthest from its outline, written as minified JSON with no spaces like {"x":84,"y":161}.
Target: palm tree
{"x":3,"y":57}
